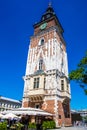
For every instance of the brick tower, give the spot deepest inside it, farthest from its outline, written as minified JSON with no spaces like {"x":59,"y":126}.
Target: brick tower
{"x":46,"y":79}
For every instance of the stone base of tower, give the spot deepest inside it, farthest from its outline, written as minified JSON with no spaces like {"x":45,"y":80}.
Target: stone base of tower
{"x":62,"y":115}
{"x":61,"y":110}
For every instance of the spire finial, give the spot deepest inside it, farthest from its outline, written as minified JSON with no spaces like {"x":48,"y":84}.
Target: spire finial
{"x":50,"y":3}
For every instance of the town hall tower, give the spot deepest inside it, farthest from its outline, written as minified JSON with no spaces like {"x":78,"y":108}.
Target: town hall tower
{"x":46,"y":84}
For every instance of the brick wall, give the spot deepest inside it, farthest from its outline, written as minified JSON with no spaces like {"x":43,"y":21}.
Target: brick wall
{"x":63,"y":121}
{"x":49,"y":106}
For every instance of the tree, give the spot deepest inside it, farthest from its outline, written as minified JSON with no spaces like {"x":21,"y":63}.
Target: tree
{"x":80,"y":74}
{"x":85,"y":119}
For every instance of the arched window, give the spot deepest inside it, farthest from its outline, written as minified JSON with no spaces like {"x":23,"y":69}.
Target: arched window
{"x":40,"y":64}
{"x":41,"y":42}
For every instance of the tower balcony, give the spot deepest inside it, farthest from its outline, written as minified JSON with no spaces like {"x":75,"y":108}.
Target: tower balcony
{"x":36,"y":98}
{"x":38,"y":91}
{"x":66,"y":94}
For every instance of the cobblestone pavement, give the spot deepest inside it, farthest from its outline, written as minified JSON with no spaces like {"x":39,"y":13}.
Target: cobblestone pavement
{"x":73,"y":128}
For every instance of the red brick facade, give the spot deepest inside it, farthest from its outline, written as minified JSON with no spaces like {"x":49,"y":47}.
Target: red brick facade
{"x":49,"y":106}
{"x":62,"y":119}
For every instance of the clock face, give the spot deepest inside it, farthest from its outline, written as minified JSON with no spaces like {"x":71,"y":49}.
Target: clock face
{"x":43,"y":26}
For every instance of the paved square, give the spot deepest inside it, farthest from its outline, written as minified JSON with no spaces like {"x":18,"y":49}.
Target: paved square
{"x":73,"y":128}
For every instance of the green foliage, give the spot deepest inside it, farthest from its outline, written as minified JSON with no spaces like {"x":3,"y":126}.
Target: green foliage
{"x":19,"y":126}
{"x":48,"y":125}
{"x":3,"y":125}
{"x":85,"y":119}
{"x":32,"y":125}
{"x":80,"y":74}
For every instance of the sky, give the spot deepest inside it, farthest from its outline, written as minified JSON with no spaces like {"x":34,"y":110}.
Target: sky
{"x":17,"y":18}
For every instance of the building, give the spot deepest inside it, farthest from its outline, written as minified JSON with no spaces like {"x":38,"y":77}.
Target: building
{"x":78,"y":115}
{"x":8,"y":103}
{"x":46,"y":84}
{"x":75,"y":116}
{"x":83,"y":112}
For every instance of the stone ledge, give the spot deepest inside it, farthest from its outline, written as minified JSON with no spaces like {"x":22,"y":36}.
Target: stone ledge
{"x":68,"y":125}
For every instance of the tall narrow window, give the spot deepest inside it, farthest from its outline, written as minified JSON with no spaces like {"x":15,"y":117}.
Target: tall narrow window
{"x":67,"y":87}
{"x":44,"y":82}
{"x":42,"y":41}
{"x":66,"y":110}
{"x":36,"y":82}
{"x":40,"y":64}
{"x":62,"y":63}
{"x":62,"y":85}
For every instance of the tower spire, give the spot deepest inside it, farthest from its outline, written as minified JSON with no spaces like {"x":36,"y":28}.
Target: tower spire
{"x":50,"y":3}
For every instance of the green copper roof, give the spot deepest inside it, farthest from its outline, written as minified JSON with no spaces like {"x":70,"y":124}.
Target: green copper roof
{"x":38,"y":72}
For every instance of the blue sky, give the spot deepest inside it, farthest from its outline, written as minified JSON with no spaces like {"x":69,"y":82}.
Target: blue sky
{"x":16,"y":26}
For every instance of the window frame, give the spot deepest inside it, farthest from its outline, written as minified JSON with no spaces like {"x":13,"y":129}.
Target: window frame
{"x":41,"y":41}
{"x":36,"y":83}
{"x":40,"y":64}
{"x":62,"y":85}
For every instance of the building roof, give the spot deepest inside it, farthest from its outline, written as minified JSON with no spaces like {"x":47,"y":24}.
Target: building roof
{"x":9,"y":99}
{"x":83,"y":111}
{"x":28,"y":111}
